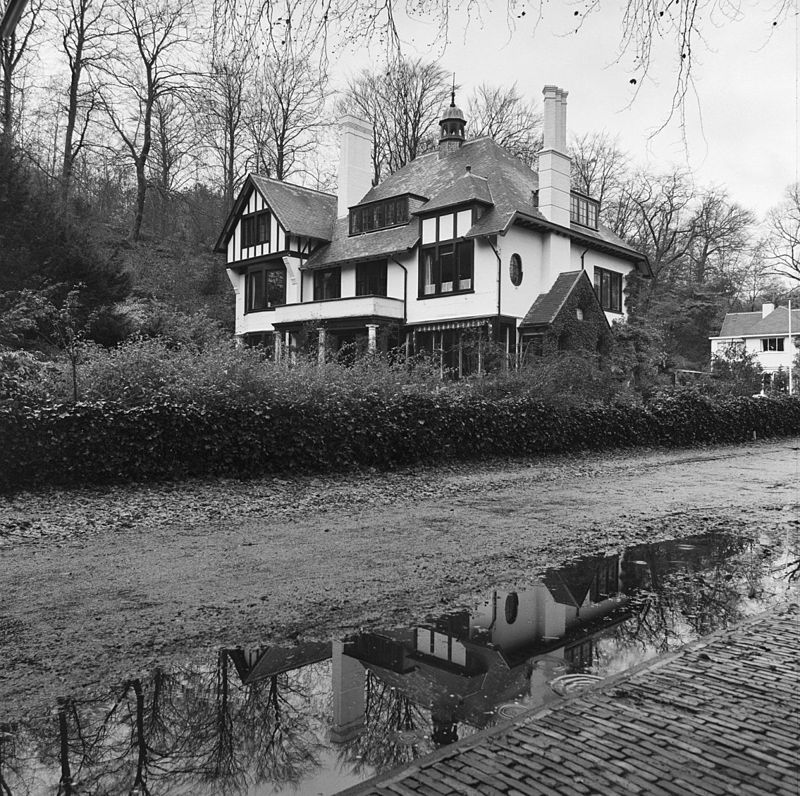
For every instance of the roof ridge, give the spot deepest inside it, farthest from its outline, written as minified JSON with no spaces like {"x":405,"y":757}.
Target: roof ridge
{"x":287,"y":184}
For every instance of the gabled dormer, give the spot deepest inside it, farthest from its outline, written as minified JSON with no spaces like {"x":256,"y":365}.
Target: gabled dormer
{"x":447,"y":254}
{"x":274,"y":218}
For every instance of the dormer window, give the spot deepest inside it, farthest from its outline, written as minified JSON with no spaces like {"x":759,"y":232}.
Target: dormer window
{"x":583,"y":210}
{"x":379,"y":215}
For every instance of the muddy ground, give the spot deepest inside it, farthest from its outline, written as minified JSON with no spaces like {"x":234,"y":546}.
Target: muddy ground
{"x":101,"y":584}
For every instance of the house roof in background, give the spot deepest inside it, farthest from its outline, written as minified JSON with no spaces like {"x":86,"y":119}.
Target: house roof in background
{"x":752,"y":324}
{"x":366,"y":246}
{"x":301,"y":211}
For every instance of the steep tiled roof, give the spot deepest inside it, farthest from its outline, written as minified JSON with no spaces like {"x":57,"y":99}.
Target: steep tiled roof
{"x":751,"y":324}
{"x":301,"y":211}
{"x":547,"y":305}
{"x":495,"y":178}
{"x":511,"y":185}
{"x":467,"y":188}
{"x":346,"y":248}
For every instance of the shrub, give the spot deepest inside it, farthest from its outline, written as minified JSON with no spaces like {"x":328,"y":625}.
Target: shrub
{"x":165,"y":438}
{"x":25,"y":379}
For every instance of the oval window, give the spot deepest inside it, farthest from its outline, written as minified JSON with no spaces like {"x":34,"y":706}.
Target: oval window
{"x":515,"y":270}
{"x":512,"y":608}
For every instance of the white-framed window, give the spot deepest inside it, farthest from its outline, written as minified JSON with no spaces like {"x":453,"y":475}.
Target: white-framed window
{"x":772,"y":343}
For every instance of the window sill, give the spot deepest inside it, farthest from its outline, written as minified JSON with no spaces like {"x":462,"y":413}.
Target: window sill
{"x":423,"y":296}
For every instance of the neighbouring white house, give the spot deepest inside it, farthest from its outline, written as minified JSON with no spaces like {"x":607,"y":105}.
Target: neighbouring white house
{"x":766,"y":334}
{"x":463,"y":243}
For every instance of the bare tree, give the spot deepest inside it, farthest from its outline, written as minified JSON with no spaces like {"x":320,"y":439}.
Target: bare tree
{"x":13,"y":52}
{"x":84,"y":31}
{"x":650,"y":32}
{"x":285,"y":113}
{"x":664,"y":223}
{"x":602,"y":170}
{"x":404,"y":104}
{"x":151,"y":36}
{"x":720,"y":231}
{"x":505,"y":115}
{"x":755,"y":280}
{"x":783,"y":242}
{"x":599,"y":166}
{"x":221,"y":101}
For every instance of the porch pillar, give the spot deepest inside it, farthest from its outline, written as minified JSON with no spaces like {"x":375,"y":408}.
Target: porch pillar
{"x":320,"y":345}
{"x":277,"y":345}
{"x":372,"y":337}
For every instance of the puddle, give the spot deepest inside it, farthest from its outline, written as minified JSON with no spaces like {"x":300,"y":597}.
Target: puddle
{"x":318,"y":717}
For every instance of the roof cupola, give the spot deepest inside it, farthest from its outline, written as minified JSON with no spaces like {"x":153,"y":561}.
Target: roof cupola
{"x":451,"y":126}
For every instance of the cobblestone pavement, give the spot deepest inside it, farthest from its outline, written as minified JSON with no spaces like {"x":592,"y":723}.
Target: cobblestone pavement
{"x":719,"y":717}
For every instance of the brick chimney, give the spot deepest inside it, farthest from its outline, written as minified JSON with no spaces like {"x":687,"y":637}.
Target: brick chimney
{"x":554,"y":162}
{"x":355,"y":163}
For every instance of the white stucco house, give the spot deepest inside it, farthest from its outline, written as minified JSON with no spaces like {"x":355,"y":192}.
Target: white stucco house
{"x":768,"y":334}
{"x":464,"y":241}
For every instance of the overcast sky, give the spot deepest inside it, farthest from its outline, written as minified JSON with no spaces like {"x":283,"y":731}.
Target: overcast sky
{"x":741,"y":124}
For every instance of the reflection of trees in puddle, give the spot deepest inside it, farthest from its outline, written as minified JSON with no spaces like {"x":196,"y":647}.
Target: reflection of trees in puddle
{"x":205,"y":730}
{"x":396,"y":730}
{"x":680,"y":591}
{"x":189,"y":731}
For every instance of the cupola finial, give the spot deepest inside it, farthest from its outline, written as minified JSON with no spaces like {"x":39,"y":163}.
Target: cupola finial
{"x":452,"y":125}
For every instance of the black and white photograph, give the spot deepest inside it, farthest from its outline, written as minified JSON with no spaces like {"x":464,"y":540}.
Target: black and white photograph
{"x":399,"y":397}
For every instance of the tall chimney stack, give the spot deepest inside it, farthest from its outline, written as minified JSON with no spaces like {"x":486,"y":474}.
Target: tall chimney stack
{"x":355,"y":163}
{"x":554,"y":162}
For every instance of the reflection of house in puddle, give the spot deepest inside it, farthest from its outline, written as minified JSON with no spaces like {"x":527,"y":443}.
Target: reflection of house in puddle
{"x":463,"y":665}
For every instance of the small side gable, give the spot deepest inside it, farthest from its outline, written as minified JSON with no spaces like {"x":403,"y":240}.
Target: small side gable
{"x":569,"y":317}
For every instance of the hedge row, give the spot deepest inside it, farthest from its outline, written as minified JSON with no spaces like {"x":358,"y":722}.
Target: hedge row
{"x":107,"y":442}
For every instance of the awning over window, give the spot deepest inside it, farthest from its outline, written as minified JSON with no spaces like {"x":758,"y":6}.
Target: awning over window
{"x":471,"y":323}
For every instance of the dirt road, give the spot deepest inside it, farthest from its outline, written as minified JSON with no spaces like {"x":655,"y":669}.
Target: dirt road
{"x":103,"y":584}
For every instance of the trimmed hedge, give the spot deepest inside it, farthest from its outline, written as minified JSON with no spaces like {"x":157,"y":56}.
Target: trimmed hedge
{"x":110,"y":442}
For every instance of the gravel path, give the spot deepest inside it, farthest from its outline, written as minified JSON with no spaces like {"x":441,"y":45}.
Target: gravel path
{"x":105,"y":583}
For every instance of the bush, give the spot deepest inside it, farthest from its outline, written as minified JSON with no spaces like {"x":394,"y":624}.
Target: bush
{"x":108,"y":441}
{"x":25,"y":379}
